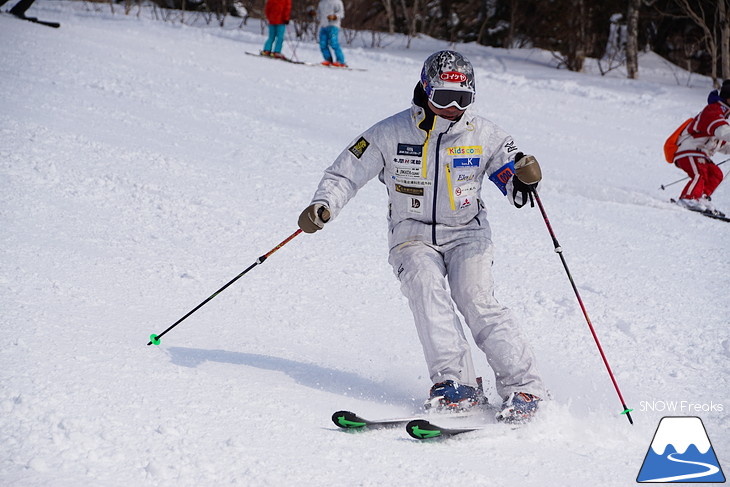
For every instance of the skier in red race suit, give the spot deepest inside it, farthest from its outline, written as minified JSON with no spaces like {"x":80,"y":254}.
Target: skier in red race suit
{"x":708,"y":133}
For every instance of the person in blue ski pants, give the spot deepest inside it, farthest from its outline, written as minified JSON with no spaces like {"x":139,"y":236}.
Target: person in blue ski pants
{"x":331,"y":13}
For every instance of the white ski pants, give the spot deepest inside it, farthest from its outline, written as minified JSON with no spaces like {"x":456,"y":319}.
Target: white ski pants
{"x":433,"y":279}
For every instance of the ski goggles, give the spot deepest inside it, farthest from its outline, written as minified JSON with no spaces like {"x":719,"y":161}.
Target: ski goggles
{"x":444,"y":98}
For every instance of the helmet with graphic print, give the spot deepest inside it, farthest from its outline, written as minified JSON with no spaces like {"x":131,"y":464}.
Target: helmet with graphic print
{"x":448,"y":79}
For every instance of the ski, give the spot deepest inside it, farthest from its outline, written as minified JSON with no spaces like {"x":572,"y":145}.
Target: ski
{"x":303,"y":63}
{"x":350,"y":421}
{"x":717,"y":217}
{"x":286,"y":60}
{"x":708,"y":214}
{"x":47,"y":23}
{"x":421,"y":429}
{"x":348,"y":68}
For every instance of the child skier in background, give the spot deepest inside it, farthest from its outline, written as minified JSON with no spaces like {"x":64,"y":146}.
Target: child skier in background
{"x":707,"y":133}
{"x":330,"y":14}
{"x":278,"y":13}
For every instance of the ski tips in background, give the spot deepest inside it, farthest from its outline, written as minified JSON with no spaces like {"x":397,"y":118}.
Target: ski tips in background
{"x":303,"y":63}
{"x":47,"y":23}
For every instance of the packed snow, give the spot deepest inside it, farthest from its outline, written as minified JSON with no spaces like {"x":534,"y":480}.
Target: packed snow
{"x":144,"y":164}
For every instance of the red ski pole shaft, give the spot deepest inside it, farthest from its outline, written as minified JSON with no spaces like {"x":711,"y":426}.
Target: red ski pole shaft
{"x":156,"y":338}
{"x":559,"y":251}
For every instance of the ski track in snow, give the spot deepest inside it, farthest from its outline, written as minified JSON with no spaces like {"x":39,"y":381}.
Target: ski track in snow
{"x":144,"y":164}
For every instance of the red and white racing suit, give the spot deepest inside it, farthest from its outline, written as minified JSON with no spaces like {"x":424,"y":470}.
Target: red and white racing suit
{"x":708,"y":133}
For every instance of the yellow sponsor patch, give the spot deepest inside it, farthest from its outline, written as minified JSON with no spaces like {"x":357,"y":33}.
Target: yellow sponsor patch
{"x":409,"y":190}
{"x":359,"y":147}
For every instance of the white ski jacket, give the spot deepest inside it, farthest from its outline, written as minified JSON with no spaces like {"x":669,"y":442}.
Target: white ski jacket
{"x":433,"y":170}
{"x":330,"y":7}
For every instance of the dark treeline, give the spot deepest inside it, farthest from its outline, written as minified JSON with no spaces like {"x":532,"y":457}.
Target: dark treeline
{"x":693,"y":34}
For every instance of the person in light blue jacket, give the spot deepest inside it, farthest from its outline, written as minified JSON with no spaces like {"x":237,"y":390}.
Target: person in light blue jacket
{"x":330,"y":14}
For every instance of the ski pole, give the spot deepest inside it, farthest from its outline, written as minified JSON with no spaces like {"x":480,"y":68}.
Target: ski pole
{"x":155,"y":339}
{"x":663,"y":186}
{"x":291,"y":46}
{"x":559,"y":251}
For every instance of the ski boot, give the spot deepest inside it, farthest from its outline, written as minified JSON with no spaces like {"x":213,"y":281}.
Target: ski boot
{"x":690,"y":204}
{"x":451,"y":396}
{"x":519,"y":407}
{"x":710,"y":208}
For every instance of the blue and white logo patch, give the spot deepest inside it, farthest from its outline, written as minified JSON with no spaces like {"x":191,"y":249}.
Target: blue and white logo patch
{"x":502,"y":176}
{"x":467,"y":162}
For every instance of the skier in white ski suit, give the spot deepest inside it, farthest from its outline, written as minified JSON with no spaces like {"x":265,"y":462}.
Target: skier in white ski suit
{"x":432,"y":162}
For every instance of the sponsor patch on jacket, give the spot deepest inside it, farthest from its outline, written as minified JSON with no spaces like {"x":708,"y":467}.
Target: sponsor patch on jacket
{"x":409,"y":190}
{"x":359,"y":147}
{"x":416,"y":206}
{"x":412,"y":150}
{"x":466,"y":162}
{"x":407,"y":167}
{"x":413,"y":182}
{"x":408,"y":172}
{"x":471,"y":150}
{"x":502,"y":176}
{"x":465,"y":190}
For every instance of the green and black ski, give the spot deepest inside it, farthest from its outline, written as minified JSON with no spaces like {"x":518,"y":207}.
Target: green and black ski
{"x":421,"y":429}
{"x":351,"y":421}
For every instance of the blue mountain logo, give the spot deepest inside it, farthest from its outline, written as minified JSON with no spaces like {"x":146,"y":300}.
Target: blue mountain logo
{"x":681,"y":452}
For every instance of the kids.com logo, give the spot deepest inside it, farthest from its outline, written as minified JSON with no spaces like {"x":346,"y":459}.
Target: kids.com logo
{"x":681,"y":452}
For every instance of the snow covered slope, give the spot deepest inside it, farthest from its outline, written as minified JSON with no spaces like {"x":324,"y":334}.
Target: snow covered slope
{"x":144,"y":164}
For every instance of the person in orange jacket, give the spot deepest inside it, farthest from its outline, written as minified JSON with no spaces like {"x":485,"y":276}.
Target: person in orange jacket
{"x":278,"y":13}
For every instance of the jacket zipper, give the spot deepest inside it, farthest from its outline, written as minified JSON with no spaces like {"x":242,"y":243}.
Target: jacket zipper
{"x":436,"y":187}
{"x":450,"y":185}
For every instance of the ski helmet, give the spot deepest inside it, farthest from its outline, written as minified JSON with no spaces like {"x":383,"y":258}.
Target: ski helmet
{"x":449,"y":71}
